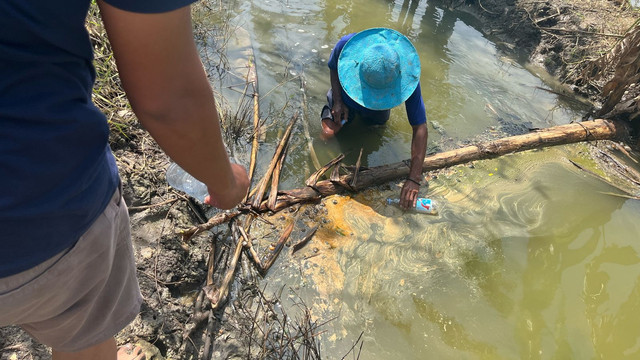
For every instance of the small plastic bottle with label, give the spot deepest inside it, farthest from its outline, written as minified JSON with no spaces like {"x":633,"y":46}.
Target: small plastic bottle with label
{"x":423,"y":205}
{"x":183,"y":181}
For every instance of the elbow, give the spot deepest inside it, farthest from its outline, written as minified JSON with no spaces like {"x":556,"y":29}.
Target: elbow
{"x":158,"y":112}
{"x":150,"y":110}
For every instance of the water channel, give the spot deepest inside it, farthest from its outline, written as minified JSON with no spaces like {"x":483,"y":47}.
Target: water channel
{"x":529,"y":257}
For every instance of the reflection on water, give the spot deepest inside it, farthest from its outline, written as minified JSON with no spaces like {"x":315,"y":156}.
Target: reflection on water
{"x":529,"y":258}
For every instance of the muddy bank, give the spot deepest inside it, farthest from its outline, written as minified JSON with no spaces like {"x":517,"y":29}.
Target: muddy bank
{"x":561,"y":37}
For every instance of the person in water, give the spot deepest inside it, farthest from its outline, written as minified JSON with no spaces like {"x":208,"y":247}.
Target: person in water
{"x":371,"y":72}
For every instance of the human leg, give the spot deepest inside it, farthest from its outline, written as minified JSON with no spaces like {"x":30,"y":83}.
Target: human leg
{"x":82,"y":297}
{"x":106,"y":350}
{"x":329,"y":129}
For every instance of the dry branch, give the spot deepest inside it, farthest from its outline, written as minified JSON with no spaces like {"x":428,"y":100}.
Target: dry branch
{"x":354,"y":178}
{"x":335,"y":174}
{"x":300,"y":244}
{"x":251,"y":252}
{"x":563,"y":134}
{"x":626,"y":73}
{"x":211,"y":264}
{"x":313,"y":179}
{"x":212,"y":222}
{"x":305,"y":124}
{"x":218,"y":295}
{"x":275,"y":179}
{"x":265,"y":180}
{"x":253,"y":79}
{"x":582,"y":32}
{"x":273,"y":253}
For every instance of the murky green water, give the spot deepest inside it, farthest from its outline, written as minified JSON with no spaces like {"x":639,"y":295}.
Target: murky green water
{"x":529,"y":257}
{"x":469,"y":86}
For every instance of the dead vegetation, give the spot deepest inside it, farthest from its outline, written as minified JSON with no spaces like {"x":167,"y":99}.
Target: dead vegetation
{"x":620,"y":93}
{"x":590,"y":45}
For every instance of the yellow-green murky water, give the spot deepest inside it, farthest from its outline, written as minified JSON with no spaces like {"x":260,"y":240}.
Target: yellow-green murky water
{"x":529,"y":258}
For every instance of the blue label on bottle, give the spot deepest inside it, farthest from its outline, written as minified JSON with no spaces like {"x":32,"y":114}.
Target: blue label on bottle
{"x":423,"y":205}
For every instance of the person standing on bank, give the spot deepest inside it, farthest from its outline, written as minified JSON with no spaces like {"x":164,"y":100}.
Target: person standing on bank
{"x":67,"y":270}
{"x":373,"y":71}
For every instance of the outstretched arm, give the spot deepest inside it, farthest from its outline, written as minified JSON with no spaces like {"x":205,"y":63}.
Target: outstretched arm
{"x":411,"y":186}
{"x":169,"y":92}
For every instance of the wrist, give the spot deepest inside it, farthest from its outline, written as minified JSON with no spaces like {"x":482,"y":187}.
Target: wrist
{"x":413,"y":181}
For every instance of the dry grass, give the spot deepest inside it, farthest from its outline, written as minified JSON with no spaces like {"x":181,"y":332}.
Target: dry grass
{"x":108,"y":93}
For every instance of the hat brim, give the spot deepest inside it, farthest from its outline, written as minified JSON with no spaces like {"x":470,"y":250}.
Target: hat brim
{"x":378,"y":98}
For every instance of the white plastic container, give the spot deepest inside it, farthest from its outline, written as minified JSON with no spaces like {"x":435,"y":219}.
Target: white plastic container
{"x":183,"y":181}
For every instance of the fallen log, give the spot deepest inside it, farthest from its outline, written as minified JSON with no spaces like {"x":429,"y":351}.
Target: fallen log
{"x":599,"y":129}
{"x":558,"y":135}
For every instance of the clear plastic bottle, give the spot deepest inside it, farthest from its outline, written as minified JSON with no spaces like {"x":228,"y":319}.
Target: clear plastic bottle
{"x":423,"y":205}
{"x":183,"y":181}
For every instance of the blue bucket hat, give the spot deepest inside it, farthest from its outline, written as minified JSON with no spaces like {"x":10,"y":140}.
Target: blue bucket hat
{"x":379,"y":68}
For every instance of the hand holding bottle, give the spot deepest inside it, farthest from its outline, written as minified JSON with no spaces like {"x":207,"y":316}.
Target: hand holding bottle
{"x":183,"y":181}
{"x":409,"y":194}
{"x":235,"y":194}
{"x":422,"y":205}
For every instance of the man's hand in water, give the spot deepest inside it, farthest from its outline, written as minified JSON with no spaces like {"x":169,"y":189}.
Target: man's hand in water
{"x":340,"y":114}
{"x":409,"y":194}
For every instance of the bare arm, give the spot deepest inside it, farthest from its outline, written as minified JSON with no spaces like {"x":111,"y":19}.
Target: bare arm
{"x":165,"y":82}
{"x":410,"y":189}
{"x":339,"y":111}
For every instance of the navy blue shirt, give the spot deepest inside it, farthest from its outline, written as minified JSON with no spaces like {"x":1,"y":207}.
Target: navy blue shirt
{"x":57,"y":172}
{"x":414,"y":105}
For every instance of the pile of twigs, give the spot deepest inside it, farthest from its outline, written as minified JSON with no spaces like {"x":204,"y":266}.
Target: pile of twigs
{"x":272,"y":335}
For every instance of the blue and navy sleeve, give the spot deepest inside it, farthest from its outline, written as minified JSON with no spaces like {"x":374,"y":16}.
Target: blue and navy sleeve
{"x":335,"y":53}
{"x":149,"y":6}
{"x":416,"y":112}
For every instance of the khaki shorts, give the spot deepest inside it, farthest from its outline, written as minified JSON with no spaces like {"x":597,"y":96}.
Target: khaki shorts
{"x":82,"y":296}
